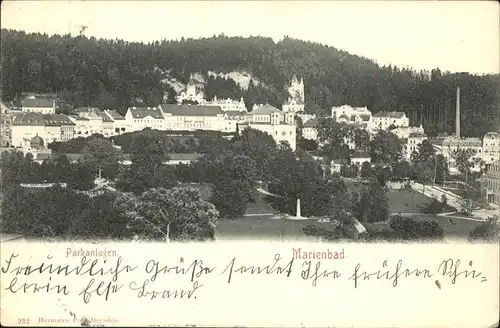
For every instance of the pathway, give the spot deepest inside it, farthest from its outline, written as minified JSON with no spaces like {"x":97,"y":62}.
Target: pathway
{"x":265,"y":192}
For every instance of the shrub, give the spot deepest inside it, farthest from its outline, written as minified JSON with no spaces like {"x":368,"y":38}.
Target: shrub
{"x":411,"y":229}
{"x":313,"y":230}
{"x":486,"y":231}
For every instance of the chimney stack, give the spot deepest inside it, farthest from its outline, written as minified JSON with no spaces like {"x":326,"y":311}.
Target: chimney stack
{"x":457,"y":115}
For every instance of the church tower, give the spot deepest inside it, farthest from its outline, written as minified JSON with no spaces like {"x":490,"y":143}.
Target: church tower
{"x":295,"y":102}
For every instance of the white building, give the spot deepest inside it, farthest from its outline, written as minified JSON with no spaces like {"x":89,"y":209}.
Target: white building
{"x":227,"y":104}
{"x":309,"y":129}
{"x":146,"y":117}
{"x":346,"y":114}
{"x":233,"y":118}
{"x":452,"y":144}
{"x":42,"y":105}
{"x":358,"y":158}
{"x":107,"y":125}
{"x":82,"y":126}
{"x":296,"y":101}
{"x":280,"y":125}
{"x":413,"y":141}
{"x":305,"y":116}
{"x":384,"y":120}
{"x":491,"y":147}
{"x":120,"y":124}
{"x":49,"y":127}
{"x":94,"y":117}
{"x":195,"y":117}
{"x":194,"y":92}
{"x":404,"y":132}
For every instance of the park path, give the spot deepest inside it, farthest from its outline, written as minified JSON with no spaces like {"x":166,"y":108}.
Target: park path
{"x":265,"y":192}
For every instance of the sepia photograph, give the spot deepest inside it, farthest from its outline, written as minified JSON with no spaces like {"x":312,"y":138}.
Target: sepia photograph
{"x":173,"y":124}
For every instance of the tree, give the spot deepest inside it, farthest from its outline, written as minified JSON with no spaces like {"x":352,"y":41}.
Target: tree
{"x":374,"y":204}
{"x":401,"y":171}
{"x":299,"y":126}
{"x":425,"y":171}
{"x":353,"y":171}
{"x":442,"y":171}
{"x":361,"y":139}
{"x":176,"y":214}
{"x":383,"y":174}
{"x":17,"y":168}
{"x":101,"y":157}
{"x":366,"y":170}
{"x":234,"y":184}
{"x":302,"y":178}
{"x":425,"y":151}
{"x":487,"y":231}
{"x":463,"y":161}
{"x":60,"y":213}
{"x":80,"y":177}
{"x":472,"y":188}
{"x":413,"y":229}
{"x":257,"y":145}
{"x":344,"y":171}
{"x":385,"y":147}
{"x":147,"y":171}
{"x":307,"y":144}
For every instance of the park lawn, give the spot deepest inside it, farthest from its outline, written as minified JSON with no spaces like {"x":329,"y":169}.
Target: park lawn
{"x":452,"y":228}
{"x":400,"y":201}
{"x":263,"y":227}
{"x":259,"y":225}
{"x":407,"y":201}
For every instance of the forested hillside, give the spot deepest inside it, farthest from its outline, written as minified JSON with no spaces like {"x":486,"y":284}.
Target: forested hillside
{"x":117,"y":74}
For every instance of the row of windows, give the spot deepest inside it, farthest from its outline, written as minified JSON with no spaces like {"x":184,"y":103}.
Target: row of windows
{"x":494,"y":185}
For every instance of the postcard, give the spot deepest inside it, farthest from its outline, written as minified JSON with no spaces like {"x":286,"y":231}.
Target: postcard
{"x":250,"y":164}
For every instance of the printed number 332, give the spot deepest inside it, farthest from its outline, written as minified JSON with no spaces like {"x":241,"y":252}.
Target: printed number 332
{"x":23,"y":321}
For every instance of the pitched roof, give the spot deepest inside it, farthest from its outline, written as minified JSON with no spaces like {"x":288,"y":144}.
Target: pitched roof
{"x":4,"y":108}
{"x":114,"y":114}
{"x":79,"y":118}
{"x":390,"y":114}
{"x":144,"y":112}
{"x":105,"y":118}
{"x":235,"y":113}
{"x":38,"y":102}
{"x":264,"y":110}
{"x":56,"y":120}
{"x":311,"y":123}
{"x":191,"y":110}
{"x":365,"y":117}
{"x":87,"y":110}
{"x":33,"y":119}
{"x":466,"y":142}
{"x":437,"y":141}
{"x":344,"y":117}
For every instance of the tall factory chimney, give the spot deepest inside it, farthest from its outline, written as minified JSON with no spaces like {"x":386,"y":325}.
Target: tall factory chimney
{"x":457,"y":115}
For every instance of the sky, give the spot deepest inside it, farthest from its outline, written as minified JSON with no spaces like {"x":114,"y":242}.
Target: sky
{"x":456,"y":36}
